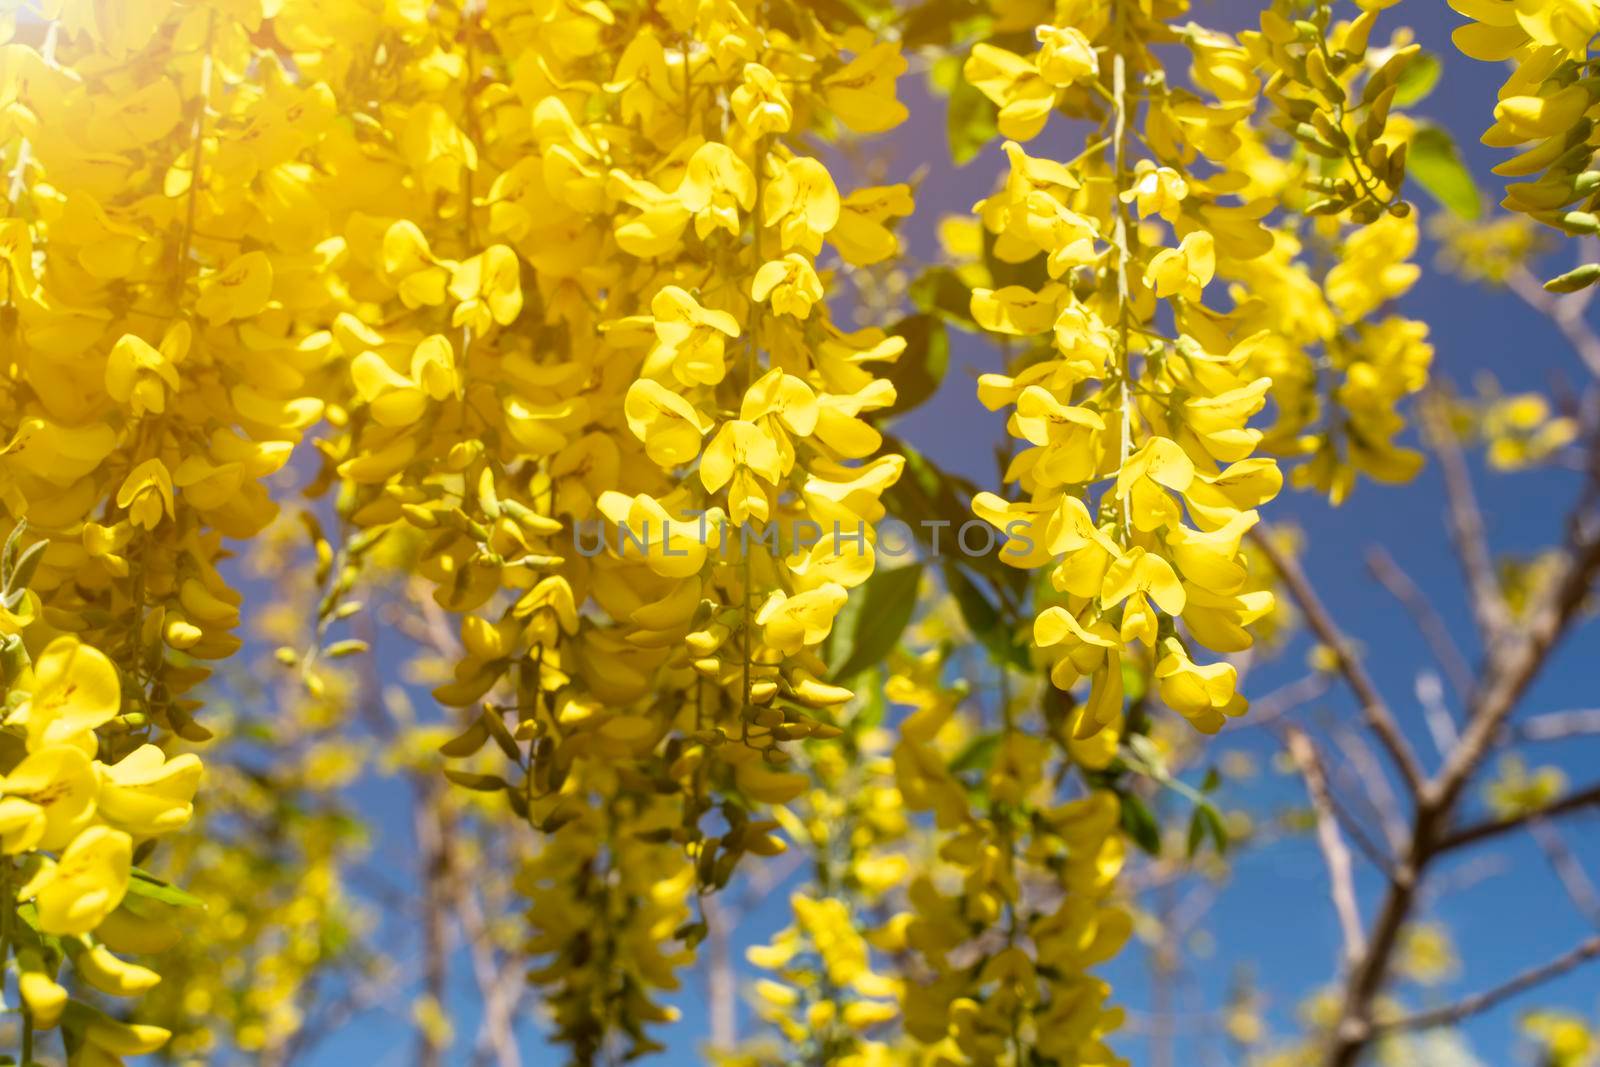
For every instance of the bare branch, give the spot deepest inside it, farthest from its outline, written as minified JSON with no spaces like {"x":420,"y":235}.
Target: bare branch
{"x":1331,"y":841}
{"x":1375,"y":788}
{"x":1428,"y":621}
{"x":1373,"y":708}
{"x":1466,"y":521}
{"x":1565,"y":312}
{"x":1469,"y":835}
{"x":1574,"y":879}
{"x":1441,"y":724}
{"x":1512,"y":665}
{"x":1452,"y":1014}
{"x":1283,"y":700}
{"x":1556,"y":725}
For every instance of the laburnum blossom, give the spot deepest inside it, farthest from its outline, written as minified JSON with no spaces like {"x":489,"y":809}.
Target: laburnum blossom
{"x":1165,"y":308}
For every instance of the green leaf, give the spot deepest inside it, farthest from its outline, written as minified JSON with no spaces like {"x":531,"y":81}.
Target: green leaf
{"x":944,"y":22}
{"x":881,"y":610}
{"x":935,"y":504}
{"x":921,"y":367}
{"x":8,"y":555}
{"x":1418,"y":79}
{"x":971,"y":121}
{"x":1219,"y":830}
{"x":986,"y":621}
{"x":942,"y":292}
{"x":1032,"y":274}
{"x":143,"y":883}
{"x":978,"y":754}
{"x":1139,"y":823}
{"x":1197,"y":834}
{"x":1432,"y":160}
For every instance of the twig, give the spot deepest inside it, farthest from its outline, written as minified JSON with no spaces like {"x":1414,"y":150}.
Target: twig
{"x":1441,"y":724}
{"x":1586,"y":798}
{"x":1452,"y":1014}
{"x":1466,"y":521}
{"x":1512,"y":665}
{"x":1282,"y":700}
{"x":1566,"y":314}
{"x":1427,"y":619}
{"x":1574,"y":879}
{"x":1331,"y":841}
{"x":1556,"y":725}
{"x":1373,"y":708}
{"x":1375,"y":789}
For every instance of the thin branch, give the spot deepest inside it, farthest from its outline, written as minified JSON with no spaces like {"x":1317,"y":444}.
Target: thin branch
{"x":1566,"y":313}
{"x":1574,"y":879}
{"x":1556,"y":725}
{"x":1512,"y":665}
{"x":1466,"y":521}
{"x":1375,"y":788}
{"x":1331,"y":841}
{"x":1428,"y":621}
{"x":1282,"y":700}
{"x":1452,"y":1014}
{"x":1483,"y":831}
{"x":1441,"y":723}
{"x":1373,"y":707}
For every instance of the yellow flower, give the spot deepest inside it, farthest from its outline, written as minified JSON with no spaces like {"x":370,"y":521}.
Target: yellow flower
{"x":690,"y":339}
{"x":1183,"y":271}
{"x":759,"y":104}
{"x":239,"y":291}
{"x":45,"y":999}
{"x":74,"y":893}
{"x":669,"y":425}
{"x":1156,"y":190}
{"x":59,"y":785}
{"x":141,"y":376}
{"x":1025,"y":99}
{"x":862,"y":93}
{"x":790,"y":623}
{"x":803,"y":202}
{"x":147,"y":494}
{"x":790,"y":282}
{"x":146,"y":794}
{"x":1065,"y":55}
{"x":75,"y":690}
{"x":1201,"y":694}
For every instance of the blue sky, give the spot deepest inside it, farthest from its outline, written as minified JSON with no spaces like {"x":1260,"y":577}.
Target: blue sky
{"x":1274,"y":915}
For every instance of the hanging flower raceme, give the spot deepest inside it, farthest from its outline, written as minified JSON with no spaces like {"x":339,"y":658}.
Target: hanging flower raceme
{"x":1542,"y":113}
{"x":1155,"y":307}
{"x":69,"y":825}
{"x":165,"y":271}
{"x":591,"y":383}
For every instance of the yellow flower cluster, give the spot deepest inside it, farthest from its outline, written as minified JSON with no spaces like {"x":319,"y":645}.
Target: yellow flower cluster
{"x":1020,"y":908}
{"x":1542,"y":111}
{"x":1158,"y":424}
{"x":827,"y":998}
{"x":579,"y":297}
{"x":69,"y":824}
{"x":164,"y":271}
{"x":1130,"y":389}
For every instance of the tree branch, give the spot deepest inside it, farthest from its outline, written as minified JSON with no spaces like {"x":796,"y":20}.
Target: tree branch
{"x":1452,"y":1014}
{"x":1512,"y":665}
{"x":1427,"y":619}
{"x":1483,"y":831}
{"x":1466,"y":522}
{"x":1373,"y":708}
{"x":1331,"y":841}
